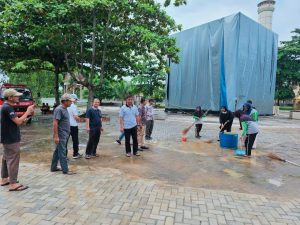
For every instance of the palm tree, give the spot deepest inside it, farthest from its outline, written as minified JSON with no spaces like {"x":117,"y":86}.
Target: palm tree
{"x":122,"y":89}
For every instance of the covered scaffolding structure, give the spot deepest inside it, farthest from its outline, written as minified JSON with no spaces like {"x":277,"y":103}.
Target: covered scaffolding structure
{"x":224,"y":63}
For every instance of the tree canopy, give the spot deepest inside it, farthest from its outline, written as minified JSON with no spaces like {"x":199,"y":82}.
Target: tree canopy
{"x":288,"y":67}
{"x":175,"y":2}
{"x":86,"y":38}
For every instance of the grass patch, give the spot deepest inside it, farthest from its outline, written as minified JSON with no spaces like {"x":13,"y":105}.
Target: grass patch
{"x":286,"y":108}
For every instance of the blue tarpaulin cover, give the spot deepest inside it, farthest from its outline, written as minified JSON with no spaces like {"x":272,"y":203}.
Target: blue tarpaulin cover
{"x":224,"y":62}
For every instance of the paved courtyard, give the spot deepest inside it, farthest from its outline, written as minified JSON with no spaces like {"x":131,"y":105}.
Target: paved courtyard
{"x":108,"y":197}
{"x":172,"y":183}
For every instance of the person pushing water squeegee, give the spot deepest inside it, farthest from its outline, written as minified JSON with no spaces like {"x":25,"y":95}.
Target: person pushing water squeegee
{"x":250,"y":130}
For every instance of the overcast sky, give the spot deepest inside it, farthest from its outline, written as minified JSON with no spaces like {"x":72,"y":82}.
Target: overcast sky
{"x":286,"y":16}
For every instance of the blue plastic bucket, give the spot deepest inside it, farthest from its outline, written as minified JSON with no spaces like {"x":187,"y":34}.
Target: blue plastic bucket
{"x":229,"y":140}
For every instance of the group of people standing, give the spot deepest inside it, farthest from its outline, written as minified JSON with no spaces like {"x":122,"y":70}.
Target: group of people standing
{"x":65,"y":125}
{"x":136,"y":123}
{"x":248,"y":119}
{"x":133,"y":123}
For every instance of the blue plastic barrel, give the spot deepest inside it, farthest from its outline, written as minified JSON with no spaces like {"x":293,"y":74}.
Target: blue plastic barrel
{"x":229,"y":140}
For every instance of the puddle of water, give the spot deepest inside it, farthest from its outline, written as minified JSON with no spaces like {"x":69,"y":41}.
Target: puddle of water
{"x":276,"y":182}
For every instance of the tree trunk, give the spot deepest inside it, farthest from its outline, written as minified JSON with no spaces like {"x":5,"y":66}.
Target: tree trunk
{"x":91,"y":97}
{"x":56,"y":85}
{"x":278,"y":101}
{"x":92,"y":74}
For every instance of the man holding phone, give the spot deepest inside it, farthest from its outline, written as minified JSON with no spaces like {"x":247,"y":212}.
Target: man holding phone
{"x":10,"y":138}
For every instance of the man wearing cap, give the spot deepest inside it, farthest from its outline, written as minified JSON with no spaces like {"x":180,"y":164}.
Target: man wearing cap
{"x":61,"y":132}
{"x":74,"y":118}
{"x":10,"y":138}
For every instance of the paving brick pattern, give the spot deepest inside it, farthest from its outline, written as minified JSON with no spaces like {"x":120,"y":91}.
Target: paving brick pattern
{"x":107,"y":196}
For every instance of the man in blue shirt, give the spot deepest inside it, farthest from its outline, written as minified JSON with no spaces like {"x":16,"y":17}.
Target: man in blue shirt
{"x":94,"y":128}
{"x":129,"y":120}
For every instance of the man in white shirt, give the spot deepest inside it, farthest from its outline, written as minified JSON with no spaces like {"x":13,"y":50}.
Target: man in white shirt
{"x":74,"y":119}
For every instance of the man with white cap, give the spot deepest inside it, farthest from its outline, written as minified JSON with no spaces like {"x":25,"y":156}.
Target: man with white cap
{"x":61,"y":132}
{"x":74,"y":119}
{"x":10,"y":138}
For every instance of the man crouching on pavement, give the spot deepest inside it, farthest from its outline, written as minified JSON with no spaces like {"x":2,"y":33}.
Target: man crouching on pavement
{"x":61,"y":132}
{"x":10,"y":138}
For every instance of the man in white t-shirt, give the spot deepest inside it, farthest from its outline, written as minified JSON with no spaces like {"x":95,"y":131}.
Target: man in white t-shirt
{"x":74,"y":119}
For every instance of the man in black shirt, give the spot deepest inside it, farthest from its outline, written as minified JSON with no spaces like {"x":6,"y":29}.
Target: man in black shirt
{"x":10,"y":138}
{"x":94,"y":128}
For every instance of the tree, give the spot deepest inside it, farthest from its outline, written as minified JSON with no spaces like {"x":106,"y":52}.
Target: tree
{"x":30,"y":33}
{"x":288,"y":67}
{"x":151,"y":78}
{"x":175,"y":2}
{"x":40,"y":83}
{"x":121,"y":33}
{"x":87,"y":38}
{"x":122,"y":89}
{"x":107,"y":91}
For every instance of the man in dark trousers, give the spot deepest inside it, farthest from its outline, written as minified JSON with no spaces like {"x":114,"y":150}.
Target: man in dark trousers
{"x":10,"y":138}
{"x":61,"y":133}
{"x":129,"y":120}
{"x":74,"y":119}
{"x":94,"y":128}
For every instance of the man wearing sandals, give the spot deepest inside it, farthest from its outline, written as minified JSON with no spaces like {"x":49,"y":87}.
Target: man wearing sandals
{"x":10,"y":138}
{"x":61,"y":132}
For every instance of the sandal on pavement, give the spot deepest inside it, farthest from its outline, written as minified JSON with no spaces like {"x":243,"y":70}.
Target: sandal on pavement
{"x":19,"y":188}
{"x":5,"y":184}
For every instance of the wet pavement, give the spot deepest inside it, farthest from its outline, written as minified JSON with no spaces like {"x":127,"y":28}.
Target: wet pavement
{"x":198,"y":165}
{"x":195,"y":163}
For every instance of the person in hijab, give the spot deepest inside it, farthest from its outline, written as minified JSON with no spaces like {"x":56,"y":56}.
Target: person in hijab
{"x":253,"y":113}
{"x":247,"y":108}
{"x":198,"y":115}
{"x":250,"y":130}
{"x":254,"y":116}
{"x":226,"y":119}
